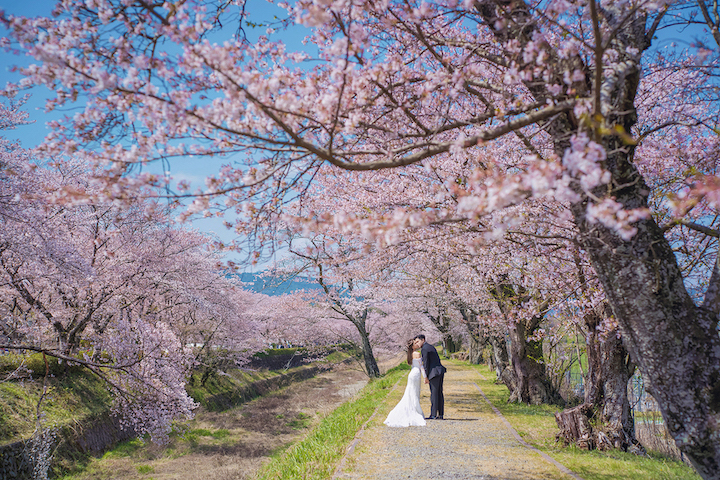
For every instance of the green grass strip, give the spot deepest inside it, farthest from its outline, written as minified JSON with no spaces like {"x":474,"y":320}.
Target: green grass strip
{"x":316,"y":456}
{"x":536,"y":424}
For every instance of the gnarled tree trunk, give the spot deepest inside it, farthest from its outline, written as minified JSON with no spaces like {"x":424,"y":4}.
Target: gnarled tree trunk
{"x":674,"y":342}
{"x":606,"y":400}
{"x":531,"y":383}
{"x":501,"y":362}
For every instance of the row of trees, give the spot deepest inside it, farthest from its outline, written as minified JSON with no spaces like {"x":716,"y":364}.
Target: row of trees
{"x":123,"y":291}
{"x":541,"y":159}
{"x":141,"y":301}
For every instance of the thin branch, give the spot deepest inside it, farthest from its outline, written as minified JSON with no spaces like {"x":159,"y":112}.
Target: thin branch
{"x":485,"y":136}
{"x":713,"y":25}
{"x":67,"y":358}
{"x":598,"y":57}
{"x":710,"y":232}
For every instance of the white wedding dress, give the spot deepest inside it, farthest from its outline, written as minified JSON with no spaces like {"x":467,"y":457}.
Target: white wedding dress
{"x":407,"y":413}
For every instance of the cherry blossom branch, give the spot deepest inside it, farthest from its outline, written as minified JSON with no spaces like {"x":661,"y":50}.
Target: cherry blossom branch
{"x":485,"y":136}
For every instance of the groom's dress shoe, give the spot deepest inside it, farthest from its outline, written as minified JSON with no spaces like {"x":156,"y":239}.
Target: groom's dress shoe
{"x":439,"y":417}
{"x":431,"y":418}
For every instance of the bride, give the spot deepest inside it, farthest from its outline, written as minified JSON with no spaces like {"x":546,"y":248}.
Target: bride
{"x":408,"y":412}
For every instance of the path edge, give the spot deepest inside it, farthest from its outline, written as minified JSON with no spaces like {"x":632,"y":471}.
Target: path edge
{"x":351,"y":448}
{"x":522,"y":442}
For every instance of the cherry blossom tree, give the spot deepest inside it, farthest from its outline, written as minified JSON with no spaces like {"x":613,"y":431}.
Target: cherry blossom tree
{"x":343,"y":294}
{"x":114,"y":290}
{"x":543,"y":101}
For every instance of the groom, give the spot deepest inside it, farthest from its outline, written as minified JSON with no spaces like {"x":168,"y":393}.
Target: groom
{"x":434,"y":375}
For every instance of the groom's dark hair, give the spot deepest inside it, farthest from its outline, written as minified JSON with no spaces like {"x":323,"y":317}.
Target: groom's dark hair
{"x":421,"y":337}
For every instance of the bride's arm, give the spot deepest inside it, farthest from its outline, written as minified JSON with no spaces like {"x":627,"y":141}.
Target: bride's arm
{"x":422,"y":369}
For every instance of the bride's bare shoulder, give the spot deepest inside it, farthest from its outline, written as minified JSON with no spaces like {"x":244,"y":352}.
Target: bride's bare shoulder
{"x":416,"y":354}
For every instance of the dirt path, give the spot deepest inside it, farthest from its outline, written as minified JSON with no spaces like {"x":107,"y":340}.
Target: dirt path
{"x":473,"y":442}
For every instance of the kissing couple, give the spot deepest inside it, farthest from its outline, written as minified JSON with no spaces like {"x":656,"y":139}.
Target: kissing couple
{"x":425,"y":362}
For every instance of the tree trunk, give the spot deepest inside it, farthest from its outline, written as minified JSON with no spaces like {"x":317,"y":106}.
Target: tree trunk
{"x":475,"y":354}
{"x":371,"y":366}
{"x":606,"y":400}
{"x":449,"y":345}
{"x":442,"y":323}
{"x":575,"y":427}
{"x":501,"y":362}
{"x":531,"y":383}
{"x":674,"y":342}
{"x":477,"y":338}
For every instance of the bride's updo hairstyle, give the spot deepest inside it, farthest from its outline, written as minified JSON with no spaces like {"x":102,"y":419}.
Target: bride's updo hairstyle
{"x":410,"y":350}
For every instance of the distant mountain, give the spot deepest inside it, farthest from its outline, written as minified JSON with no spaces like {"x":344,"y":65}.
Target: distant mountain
{"x":274,"y":286}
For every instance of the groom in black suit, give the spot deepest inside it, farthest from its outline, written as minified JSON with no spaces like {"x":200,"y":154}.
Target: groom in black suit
{"x":434,"y":375}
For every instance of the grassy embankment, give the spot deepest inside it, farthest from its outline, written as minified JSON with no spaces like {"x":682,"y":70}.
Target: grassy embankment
{"x":75,"y":396}
{"x":222,"y":391}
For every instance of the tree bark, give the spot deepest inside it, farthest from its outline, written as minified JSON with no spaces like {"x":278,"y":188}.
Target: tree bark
{"x":674,"y":342}
{"x":606,"y":400}
{"x":477,"y":339}
{"x":531,"y":383}
{"x":371,"y":366}
{"x":475,"y":353}
{"x":450,"y":346}
{"x":501,"y":362}
{"x":442,"y":323}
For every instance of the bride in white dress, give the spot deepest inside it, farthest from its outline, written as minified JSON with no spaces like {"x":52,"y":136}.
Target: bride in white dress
{"x":407,"y":413}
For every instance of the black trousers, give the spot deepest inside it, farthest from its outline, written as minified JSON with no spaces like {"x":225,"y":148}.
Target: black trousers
{"x":437,"y":400}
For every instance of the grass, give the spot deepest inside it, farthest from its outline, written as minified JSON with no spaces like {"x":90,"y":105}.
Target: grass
{"x":223,"y":391}
{"x":301,"y":421}
{"x":316,"y":456}
{"x":73,"y":395}
{"x":220,"y":392}
{"x":536,"y":424}
{"x":144,"y":469}
{"x":203,"y":437}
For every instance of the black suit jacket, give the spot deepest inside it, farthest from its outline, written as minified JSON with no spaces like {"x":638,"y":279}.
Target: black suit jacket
{"x":431,"y":361}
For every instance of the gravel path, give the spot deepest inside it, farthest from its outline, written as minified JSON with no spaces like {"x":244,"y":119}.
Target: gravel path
{"x":473,"y":442}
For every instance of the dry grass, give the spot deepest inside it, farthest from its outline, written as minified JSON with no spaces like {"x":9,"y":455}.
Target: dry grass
{"x":232,"y":444}
{"x":652,"y":434}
